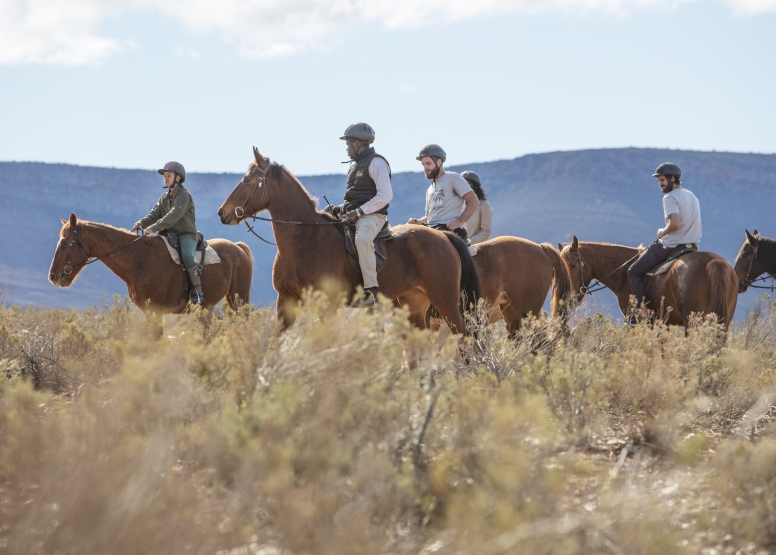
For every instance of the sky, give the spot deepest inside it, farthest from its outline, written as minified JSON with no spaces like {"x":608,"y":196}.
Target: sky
{"x":135,"y":83}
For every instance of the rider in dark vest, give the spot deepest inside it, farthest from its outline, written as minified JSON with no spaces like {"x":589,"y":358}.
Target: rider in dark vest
{"x":366,"y":202}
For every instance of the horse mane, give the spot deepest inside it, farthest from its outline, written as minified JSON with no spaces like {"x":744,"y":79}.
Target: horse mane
{"x":277,"y":171}
{"x":766,"y":254}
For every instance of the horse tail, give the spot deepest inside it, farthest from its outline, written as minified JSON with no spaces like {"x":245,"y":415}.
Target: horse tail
{"x":470,"y":280}
{"x":561,"y":284}
{"x":720,"y":281}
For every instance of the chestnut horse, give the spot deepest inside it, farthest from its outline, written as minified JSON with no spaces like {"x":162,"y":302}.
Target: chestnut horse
{"x":154,"y":281}
{"x":699,"y":282}
{"x":756,"y":257}
{"x":311,"y":250}
{"x":515,"y":277}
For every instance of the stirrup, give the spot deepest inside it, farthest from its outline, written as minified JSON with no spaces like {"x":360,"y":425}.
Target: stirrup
{"x":367,"y":300}
{"x":196,"y":298}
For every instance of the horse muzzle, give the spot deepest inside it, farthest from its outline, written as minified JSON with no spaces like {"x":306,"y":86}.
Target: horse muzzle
{"x":228,"y":218}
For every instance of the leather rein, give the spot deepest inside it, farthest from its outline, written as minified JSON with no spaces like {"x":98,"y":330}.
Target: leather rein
{"x":69,"y":268}
{"x":585,"y":289}
{"x":239,"y":212}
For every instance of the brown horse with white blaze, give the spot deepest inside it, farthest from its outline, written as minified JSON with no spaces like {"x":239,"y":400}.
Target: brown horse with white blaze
{"x":698,"y":282}
{"x":515,"y":277}
{"x":155,"y":283}
{"x":311,"y":251}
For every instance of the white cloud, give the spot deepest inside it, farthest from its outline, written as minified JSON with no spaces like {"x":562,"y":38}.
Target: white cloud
{"x":68,"y":31}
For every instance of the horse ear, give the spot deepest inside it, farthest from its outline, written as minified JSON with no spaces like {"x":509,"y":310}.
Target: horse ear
{"x":751,"y":239}
{"x":575,"y":244}
{"x":560,"y":246}
{"x":260,"y":160}
{"x":756,"y":233}
{"x":63,"y":221}
{"x":73,"y":220}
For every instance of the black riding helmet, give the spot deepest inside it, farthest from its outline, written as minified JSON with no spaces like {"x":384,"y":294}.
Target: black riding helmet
{"x":667,"y":168}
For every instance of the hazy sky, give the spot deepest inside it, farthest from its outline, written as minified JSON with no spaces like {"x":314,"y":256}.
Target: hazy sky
{"x":135,"y":83}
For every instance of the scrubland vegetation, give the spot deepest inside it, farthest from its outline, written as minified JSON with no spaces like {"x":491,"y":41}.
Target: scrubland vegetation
{"x":359,"y":435}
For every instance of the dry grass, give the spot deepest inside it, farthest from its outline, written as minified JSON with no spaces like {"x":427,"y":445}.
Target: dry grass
{"x":357,"y":434}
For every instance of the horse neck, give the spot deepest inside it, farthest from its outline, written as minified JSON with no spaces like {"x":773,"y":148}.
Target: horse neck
{"x":100,"y":239}
{"x":604,"y":259}
{"x":290,"y":201}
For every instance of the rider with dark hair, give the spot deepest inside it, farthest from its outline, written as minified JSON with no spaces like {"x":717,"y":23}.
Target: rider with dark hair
{"x":479,"y":224}
{"x":683,"y":227}
{"x":176,"y":210}
{"x":450,"y":201}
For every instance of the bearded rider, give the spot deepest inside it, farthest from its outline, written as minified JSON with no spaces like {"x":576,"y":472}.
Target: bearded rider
{"x":176,"y":210}
{"x":683,"y":226}
{"x":450,"y":201}
{"x":366,"y":202}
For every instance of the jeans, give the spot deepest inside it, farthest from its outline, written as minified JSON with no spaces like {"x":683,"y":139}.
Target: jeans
{"x":653,"y":256}
{"x":188,"y":250}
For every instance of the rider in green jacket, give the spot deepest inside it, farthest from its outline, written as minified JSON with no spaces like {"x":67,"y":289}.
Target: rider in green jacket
{"x":176,"y":210}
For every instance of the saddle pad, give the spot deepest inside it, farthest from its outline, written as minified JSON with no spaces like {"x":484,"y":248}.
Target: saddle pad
{"x":381,"y":256}
{"x":211,"y":256}
{"x":663,"y":267}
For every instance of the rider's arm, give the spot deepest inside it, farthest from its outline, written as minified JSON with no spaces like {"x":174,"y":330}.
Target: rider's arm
{"x":472,"y":202}
{"x":153,"y":215}
{"x":173,"y":216}
{"x":379,"y":172}
{"x":673,"y":221}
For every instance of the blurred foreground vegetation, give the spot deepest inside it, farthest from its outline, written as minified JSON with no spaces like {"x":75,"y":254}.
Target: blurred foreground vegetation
{"x":360,"y":435}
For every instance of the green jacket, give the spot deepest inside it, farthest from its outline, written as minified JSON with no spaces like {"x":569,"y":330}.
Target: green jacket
{"x":176,"y":210}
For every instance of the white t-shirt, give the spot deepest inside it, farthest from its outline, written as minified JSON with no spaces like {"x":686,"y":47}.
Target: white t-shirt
{"x":683,"y":202}
{"x":444,"y":199}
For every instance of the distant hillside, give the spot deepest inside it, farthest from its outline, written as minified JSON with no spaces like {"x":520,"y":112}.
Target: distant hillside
{"x":599,"y":195}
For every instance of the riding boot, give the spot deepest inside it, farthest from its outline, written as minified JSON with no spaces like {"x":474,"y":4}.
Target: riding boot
{"x":368,"y":299}
{"x":197,"y":297}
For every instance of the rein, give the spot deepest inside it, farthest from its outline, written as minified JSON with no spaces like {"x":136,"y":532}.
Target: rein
{"x":69,"y":269}
{"x":239,"y":212}
{"x":746,"y":282}
{"x":596,"y":281}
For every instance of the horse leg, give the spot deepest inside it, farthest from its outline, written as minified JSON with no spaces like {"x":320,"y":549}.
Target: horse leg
{"x":286,"y":314}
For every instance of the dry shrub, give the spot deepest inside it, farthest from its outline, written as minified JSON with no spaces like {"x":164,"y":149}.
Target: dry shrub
{"x":354,"y":433}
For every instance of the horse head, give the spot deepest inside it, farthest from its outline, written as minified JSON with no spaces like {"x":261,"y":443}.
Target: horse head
{"x":250,"y":195}
{"x":581,"y":276}
{"x":746,"y":266}
{"x":70,"y":254}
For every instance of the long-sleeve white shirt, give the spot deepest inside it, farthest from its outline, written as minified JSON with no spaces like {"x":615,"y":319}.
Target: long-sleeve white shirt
{"x":381,"y":174}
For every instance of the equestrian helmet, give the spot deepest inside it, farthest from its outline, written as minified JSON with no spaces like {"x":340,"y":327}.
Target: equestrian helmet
{"x":472,"y":176}
{"x":359,"y":130}
{"x":176,"y":167}
{"x":434,"y":151}
{"x":667,"y":168}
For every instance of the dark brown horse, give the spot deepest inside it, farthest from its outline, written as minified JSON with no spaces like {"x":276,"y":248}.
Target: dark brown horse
{"x":699,"y":282}
{"x":515,"y":277}
{"x":154,"y":281}
{"x":311,"y":253}
{"x":756,"y":257}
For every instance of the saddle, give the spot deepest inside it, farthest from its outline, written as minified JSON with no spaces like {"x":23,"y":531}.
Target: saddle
{"x":207,"y":255}
{"x":381,"y":255}
{"x":673,"y":256}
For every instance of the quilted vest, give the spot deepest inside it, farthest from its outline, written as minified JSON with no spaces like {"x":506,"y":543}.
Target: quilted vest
{"x":361,"y":187}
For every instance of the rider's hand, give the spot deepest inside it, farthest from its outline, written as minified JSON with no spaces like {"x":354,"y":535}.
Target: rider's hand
{"x":352,"y":215}
{"x":333,"y":210}
{"x":137,"y":226}
{"x":412,"y":221}
{"x":147,"y":232}
{"x":661,"y":232}
{"x":454,"y":225}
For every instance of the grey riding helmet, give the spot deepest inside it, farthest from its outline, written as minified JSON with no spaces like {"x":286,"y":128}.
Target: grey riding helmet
{"x":359,"y":130}
{"x":176,"y":167}
{"x":434,"y":151}
{"x":472,"y":176}
{"x":667,"y":168}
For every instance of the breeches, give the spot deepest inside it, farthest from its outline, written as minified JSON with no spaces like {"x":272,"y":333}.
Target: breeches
{"x":188,"y":250}
{"x":653,"y":256}
{"x":367,"y":228}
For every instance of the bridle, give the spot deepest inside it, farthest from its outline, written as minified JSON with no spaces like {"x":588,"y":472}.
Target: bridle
{"x":239,"y":212}
{"x":746,"y":282}
{"x":597,"y":283}
{"x":69,"y":269}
